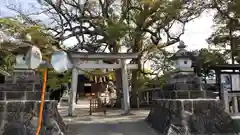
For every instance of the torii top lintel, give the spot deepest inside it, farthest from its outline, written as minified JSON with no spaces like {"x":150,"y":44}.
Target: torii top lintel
{"x":82,"y":55}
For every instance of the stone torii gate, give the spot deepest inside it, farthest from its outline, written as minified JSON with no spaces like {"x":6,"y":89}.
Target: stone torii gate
{"x":77,"y":57}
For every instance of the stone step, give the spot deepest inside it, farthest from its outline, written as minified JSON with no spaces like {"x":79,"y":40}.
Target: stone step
{"x":20,"y":87}
{"x":22,"y":95}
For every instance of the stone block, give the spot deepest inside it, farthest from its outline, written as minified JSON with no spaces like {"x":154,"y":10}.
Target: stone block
{"x":15,"y":128}
{"x":17,"y":106}
{"x":3,"y":106}
{"x":37,"y":105}
{"x":15,"y":95}
{"x":173,"y":94}
{"x":1,"y":120}
{"x":210,"y":94}
{"x":183,"y":94}
{"x":161,"y":94}
{"x":26,"y":77}
{"x":13,"y":116}
{"x":33,"y":95}
{"x":174,"y":105}
{"x":166,"y":94}
{"x":28,"y":107}
{"x":197,"y":94}
{"x":38,"y":87}
{"x":2,"y":95}
{"x":188,"y":105}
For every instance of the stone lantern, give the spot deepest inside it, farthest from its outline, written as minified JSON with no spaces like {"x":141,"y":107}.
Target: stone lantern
{"x":184,"y":108}
{"x":182,"y":57}
{"x":20,"y":99}
{"x":22,"y":73}
{"x":183,"y":77}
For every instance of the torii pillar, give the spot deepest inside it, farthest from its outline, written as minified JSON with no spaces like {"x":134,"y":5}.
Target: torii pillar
{"x":125,"y":87}
{"x":73,"y":91}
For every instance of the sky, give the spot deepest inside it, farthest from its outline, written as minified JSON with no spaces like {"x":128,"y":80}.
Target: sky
{"x":195,"y":36}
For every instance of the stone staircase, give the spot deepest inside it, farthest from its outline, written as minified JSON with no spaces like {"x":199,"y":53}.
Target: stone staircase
{"x":20,"y":98}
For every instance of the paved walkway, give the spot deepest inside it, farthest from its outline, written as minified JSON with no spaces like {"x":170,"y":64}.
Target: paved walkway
{"x":111,"y":124}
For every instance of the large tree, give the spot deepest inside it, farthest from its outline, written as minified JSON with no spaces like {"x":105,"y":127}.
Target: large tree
{"x":123,"y":25}
{"x":227,"y":26}
{"x":138,"y":25}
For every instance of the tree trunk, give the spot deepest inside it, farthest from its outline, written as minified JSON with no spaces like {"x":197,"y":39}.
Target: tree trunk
{"x":135,"y":74}
{"x":118,"y":77}
{"x":136,"y":48}
{"x":134,"y":88}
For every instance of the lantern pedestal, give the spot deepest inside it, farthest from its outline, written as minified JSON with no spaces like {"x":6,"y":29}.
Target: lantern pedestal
{"x":20,"y":98}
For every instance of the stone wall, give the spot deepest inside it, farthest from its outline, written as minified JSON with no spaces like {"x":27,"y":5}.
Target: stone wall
{"x":190,"y":117}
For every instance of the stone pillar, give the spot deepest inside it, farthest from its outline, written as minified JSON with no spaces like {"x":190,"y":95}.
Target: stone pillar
{"x":73,"y":91}
{"x":125,"y":87}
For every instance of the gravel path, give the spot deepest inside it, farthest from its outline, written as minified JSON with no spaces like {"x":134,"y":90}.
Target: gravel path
{"x":111,"y":124}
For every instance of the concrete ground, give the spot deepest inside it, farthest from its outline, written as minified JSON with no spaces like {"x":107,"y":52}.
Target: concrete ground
{"x":111,"y":124}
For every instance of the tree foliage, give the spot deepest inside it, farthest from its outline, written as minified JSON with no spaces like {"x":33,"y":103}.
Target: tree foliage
{"x":206,"y":60}
{"x":56,"y":80}
{"x":159,"y":60}
{"x":107,"y":23}
{"x":227,"y":26}
{"x":18,"y":33}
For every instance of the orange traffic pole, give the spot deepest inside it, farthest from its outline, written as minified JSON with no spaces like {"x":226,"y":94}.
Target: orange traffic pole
{"x":42,"y":102}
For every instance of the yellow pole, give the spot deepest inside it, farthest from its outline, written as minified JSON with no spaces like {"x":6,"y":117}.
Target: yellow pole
{"x":42,"y":102}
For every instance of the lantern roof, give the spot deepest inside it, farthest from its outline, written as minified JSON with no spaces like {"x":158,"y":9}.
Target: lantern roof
{"x":182,"y":52}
